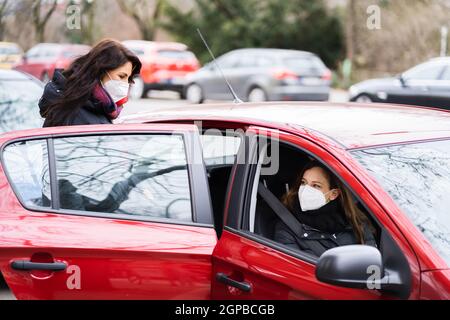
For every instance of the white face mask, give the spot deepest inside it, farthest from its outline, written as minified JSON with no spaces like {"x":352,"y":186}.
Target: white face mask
{"x":118,"y":90}
{"x":311,"y":198}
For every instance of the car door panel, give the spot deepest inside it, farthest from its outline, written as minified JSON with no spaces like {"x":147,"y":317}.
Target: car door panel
{"x":271,"y":274}
{"x":103,"y":255}
{"x":142,"y":260}
{"x":264,"y":264}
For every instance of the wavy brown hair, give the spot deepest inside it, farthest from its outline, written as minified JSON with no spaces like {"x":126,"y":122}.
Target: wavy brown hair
{"x":83,"y":75}
{"x":355,"y":217}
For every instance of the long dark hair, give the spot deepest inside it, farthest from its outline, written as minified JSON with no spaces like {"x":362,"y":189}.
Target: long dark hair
{"x":355,"y":217}
{"x":85,"y":73}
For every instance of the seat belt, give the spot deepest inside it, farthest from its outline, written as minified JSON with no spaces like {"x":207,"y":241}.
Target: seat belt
{"x":286,"y":216}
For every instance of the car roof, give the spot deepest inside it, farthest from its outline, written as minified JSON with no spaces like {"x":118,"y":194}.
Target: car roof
{"x":352,"y":125}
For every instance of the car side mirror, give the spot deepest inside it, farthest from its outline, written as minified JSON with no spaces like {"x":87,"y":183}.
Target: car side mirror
{"x":359,"y":267}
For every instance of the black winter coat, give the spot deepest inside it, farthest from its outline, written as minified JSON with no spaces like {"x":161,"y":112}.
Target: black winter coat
{"x":89,"y":113}
{"x":315,"y":241}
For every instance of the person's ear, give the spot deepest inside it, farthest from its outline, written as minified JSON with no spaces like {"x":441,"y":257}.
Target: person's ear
{"x":334,"y":194}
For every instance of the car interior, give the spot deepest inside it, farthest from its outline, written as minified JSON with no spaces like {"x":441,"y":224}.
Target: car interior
{"x":292,"y":160}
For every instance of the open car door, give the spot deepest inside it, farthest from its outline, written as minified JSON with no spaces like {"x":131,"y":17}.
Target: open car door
{"x":105,"y":212}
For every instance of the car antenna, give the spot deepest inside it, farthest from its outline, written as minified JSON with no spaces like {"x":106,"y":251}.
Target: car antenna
{"x":236,"y":98}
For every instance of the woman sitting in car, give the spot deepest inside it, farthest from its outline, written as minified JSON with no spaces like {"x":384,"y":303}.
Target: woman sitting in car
{"x":327,"y":212}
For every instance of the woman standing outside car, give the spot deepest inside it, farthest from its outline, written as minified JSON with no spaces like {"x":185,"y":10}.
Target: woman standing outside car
{"x":93,"y":89}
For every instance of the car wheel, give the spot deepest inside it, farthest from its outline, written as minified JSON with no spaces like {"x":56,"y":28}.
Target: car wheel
{"x":257,"y":94}
{"x":45,"y":77}
{"x":137,"y":89}
{"x":194,"y":93}
{"x":364,"y":98}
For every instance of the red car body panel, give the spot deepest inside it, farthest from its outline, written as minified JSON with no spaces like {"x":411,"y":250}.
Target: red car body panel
{"x":435,"y":285}
{"x":41,"y":65}
{"x":193,"y":253}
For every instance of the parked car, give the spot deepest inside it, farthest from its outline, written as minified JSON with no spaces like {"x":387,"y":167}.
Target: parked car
{"x":19,"y":96}
{"x":164,"y":66}
{"x":42,"y":59}
{"x":262,"y":74}
{"x":427,"y":84}
{"x":179,"y":204}
{"x":10,"y":54}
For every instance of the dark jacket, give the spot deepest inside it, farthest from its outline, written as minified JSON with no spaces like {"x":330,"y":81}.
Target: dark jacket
{"x":89,"y":113}
{"x":315,"y":241}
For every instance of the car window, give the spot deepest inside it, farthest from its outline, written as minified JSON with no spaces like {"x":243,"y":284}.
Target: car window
{"x":417,"y":177}
{"x":304,"y":63}
{"x":264,"y":61}
{"x":34,"y":52}
{"x":446,"y":74}
{"x":138,"y":51}
{"x":176,"y":54}
{"x":137,"y":175}
{"x":323,"y":227}
{"x":425,"y":71}
{"x":12,"y":49}
{"x":26,"y":165}
{"x":219,"y":148}
{"x":18,"y":102}
{"x":228,"y":60}
{"x":247,"y":61}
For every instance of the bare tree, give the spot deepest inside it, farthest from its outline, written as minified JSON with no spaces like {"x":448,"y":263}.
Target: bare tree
{"x":39,"y":19}
{"x":145,"y":15}
{"x":350,"y":36}
{"x":3,"y":13}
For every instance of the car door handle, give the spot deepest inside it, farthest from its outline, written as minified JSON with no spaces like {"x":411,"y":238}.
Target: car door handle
{"x":28,"y":265}
{"x":244,"y":286}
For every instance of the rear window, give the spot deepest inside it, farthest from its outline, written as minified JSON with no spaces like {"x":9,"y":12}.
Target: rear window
{"x":137,"y":51}
{"x":417,"y":177}
{"x":311,"y":63}
{"x":176,"y":54}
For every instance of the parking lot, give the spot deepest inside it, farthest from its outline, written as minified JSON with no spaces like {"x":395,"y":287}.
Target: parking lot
{"x":164,"y":99}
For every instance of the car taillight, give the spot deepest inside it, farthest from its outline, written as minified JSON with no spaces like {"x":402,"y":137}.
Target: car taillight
{"x":283,"y":74}
{"x":326,"y":75}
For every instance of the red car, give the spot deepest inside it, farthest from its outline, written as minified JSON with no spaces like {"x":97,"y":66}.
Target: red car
{"x":164,"y":66}
{"x":181,"y":204}
{"x":42,"y":59}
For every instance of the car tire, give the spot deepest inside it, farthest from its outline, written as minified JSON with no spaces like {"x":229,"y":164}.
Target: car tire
{"x":138,"y":89}
{"x":194,"y":93}
{"x":363,"y":98}
{"x":256,"y":94}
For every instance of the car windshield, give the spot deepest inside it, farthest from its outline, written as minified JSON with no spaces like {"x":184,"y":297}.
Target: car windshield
{"x":19,"y":105}
{"x":9,"y":50}
{"x":417,"y":177}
